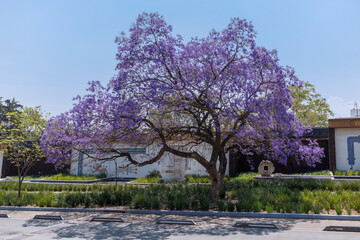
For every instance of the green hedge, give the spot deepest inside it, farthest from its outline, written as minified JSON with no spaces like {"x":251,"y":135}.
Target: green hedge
{"x":238,"y":194}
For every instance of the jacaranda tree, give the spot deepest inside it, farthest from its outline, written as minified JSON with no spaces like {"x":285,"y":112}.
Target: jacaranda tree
{"x":222,"y":91}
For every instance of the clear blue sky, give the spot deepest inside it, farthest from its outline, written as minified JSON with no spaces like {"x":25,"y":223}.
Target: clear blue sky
{"x":50,"y":49}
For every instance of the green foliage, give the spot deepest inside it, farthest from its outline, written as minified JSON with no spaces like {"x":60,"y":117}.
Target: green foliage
{"x":155,"y":177}
{"x":21,"y":137}
{"x":350,"y":173}
{"x":204,"y":202}
{"x":244,"y":176}
{"x":8,"y":106}
{"x":194,"y":203}
{"x":62,"y":176}
{"x":197,"y":179}
{"x":317,"y":207}
{"x":256,"y":206}
{"x":318,"y":173}
{"x":152,"y":177}
{"x":269,"y":208}
{"x":139,"y":201}
{"x":338,"y":209}
{"x":291,"y":195}
{"x":232,"y":194}
{"x":309,"y":106}
{"x":230,"y":207}
{"x":155,"y":203}
{"x":220,"y":205}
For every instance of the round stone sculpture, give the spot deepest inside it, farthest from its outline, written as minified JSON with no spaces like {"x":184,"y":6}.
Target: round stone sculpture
{"x":266,"y":168}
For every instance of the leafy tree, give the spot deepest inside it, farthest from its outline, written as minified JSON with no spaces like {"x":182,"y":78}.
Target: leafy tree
{"x":309,"y":107}
{"x":218,"y":92}
{"x":7,"y":106}
{"x":22,"y":140}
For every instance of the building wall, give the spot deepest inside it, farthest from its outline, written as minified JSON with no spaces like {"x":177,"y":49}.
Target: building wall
{"x":83,"y":165}
{"x":40,"y":168}
{"x":341,"y":148}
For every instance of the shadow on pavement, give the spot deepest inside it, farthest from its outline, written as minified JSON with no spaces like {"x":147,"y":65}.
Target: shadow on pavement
{"x":206,"y":226}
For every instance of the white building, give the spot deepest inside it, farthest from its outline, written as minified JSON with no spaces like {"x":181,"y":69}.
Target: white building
{"x":168,"y":165}
{"x":344,"y":144}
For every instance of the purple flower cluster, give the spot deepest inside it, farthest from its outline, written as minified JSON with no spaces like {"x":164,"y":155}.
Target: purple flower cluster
{"x":222,"y":90}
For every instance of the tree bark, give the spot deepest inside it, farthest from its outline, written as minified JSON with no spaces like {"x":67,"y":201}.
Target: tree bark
{"x":116,"y":171}
{"x":217,"y":176}
{"x":19,"y":189}
{"x":216,"y":182}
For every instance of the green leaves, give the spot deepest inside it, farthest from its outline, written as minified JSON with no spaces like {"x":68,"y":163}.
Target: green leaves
{"x":21,"y":132}
{"x":309,"y":107}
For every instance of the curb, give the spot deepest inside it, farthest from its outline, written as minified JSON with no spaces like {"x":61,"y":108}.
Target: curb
{"x":193,"y":213}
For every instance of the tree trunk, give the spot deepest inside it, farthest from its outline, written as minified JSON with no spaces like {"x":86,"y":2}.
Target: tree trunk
{"x":20,"y":181}
{"x":216,"y":182}
{"x":116,"y":171}
{"x":19,"y":189}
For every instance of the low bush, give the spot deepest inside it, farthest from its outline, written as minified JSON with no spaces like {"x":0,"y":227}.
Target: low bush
{"x":204,"y":203}
{"x":269,"y":208}
{"x":138,"y":201}
{"x":220,"y":205}
{"x":230,"y":207}
{"x":242,"y":193}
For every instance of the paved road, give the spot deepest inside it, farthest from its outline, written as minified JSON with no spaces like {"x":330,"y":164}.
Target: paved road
{"x":21,"y":225}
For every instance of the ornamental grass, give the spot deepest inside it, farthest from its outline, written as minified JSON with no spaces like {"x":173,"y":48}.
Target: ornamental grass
{"x":242,"y":194}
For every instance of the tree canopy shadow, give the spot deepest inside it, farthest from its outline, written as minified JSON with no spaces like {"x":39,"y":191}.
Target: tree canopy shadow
{"x":149,"y":230}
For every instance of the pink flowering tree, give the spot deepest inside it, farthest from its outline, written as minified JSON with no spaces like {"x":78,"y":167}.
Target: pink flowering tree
{"x":222,"y":91}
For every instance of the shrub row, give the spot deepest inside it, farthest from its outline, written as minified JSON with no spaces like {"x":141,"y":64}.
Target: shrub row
{"x":156,"y":177}
{"x":37,"y":187}
{"x":287,"y":201}
{"x":195,"y":197}
{"x":294,"y":184}
{"x":175,"y":196}
{"x":346,"y":173}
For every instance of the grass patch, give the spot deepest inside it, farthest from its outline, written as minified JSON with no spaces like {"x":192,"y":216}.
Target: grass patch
{"x":62,"y":176}
{"x":155,"y":177}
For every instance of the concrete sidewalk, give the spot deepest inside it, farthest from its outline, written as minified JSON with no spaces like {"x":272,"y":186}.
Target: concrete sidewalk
{"x":77,"y":225}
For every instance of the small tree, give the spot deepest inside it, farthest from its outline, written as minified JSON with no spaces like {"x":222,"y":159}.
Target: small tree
{"x":22,"y":140}
{"x":310,"y":107}
{"x":221,"y":91}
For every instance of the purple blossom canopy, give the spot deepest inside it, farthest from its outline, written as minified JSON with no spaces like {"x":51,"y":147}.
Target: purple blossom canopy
{"x":222,"y":90}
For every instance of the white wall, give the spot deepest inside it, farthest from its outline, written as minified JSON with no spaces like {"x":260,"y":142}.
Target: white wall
{"x":341,"y":148}
{"x":88,"y":165}
{"x":1,"y":162}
